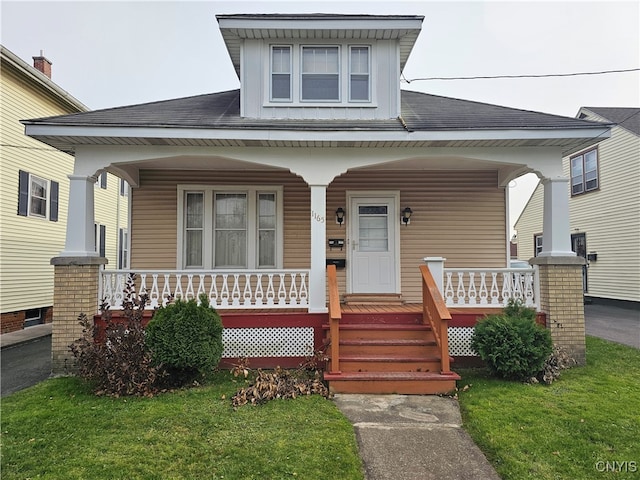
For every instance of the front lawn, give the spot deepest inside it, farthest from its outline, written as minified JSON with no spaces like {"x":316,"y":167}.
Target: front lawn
{"x":586,"y":425}
{"x":57,"y":430}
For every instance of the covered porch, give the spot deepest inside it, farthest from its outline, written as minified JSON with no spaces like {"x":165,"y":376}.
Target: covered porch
{"x":368,"y":343}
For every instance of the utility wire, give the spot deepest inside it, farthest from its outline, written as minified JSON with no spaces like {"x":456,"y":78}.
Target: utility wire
{"x":24,"y":147}
{"x":551,"y":75}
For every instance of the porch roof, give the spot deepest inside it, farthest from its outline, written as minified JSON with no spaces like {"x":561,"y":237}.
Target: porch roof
{"x":214,"y":119}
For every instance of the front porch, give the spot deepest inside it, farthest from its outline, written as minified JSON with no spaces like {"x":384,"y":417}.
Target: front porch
{"x":384,"y":346}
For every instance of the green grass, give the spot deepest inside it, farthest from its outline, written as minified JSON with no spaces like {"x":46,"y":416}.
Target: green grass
{"x":58,"y":430}
{"x":561,"y":431}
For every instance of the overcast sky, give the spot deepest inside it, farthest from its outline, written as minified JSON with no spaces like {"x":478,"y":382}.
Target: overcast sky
{"x":110,"y":54}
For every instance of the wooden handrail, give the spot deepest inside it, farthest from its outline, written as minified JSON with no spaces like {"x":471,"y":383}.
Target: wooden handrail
{"x":335,"y":315}
{"x":435,"y":311}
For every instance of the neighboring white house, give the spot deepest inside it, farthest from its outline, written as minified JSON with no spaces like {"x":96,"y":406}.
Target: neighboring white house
{"x":604,"y":202}
{"x":34,"y":194}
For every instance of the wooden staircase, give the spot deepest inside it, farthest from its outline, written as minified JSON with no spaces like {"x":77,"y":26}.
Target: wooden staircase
{"x":388,"y":353}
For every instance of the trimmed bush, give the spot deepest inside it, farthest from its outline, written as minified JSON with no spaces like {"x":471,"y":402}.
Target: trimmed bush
{"x":186,"y":337}
{"x":511,"y":344}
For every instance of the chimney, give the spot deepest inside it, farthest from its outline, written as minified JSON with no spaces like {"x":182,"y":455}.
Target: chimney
{"x":42,"y":64}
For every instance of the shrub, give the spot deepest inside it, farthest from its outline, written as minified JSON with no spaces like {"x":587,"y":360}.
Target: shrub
{"x":511,"y":344}
{"x":186,"y":338}
{"x":119,"y":363}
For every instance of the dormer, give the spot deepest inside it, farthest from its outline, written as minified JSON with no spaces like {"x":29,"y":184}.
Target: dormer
{"x":319,"y":66}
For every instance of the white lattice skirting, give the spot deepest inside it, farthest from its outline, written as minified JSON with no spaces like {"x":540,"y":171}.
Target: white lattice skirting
{"x":299,"y":341}
{"x":460,"y":342}
{"x":267,"y":342}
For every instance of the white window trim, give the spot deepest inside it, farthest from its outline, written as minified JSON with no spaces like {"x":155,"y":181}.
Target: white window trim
{"x":296,"y":77}
{"x":47,"y":198}
{"x":252,"y":229}
{"x":339,"y":73}
{"x":350,"y":73}
{"x":291,"y":74}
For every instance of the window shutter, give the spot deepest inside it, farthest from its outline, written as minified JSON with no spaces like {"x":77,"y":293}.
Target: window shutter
{"x":53,"y":209}
{"x":103,"y":237}
{"x":23,"y":193}
{"x":103,"y":180}
{"x":120,"y":248}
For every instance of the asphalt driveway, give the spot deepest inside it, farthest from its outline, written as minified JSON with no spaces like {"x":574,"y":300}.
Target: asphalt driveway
{"x":620,"y":325}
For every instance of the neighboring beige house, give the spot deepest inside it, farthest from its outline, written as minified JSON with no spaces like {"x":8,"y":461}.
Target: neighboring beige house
{"x":320,"y":158}
{"x":604,"y":201}
{"x":34,"y":196}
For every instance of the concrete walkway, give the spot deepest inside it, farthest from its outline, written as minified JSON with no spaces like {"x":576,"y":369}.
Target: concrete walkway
{"x":25,"y":335}
{"x":413,"y":437}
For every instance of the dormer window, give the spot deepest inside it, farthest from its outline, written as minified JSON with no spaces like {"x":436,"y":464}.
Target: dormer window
{"x":280,"y":73}
{"x":320,"y":74}
{"x":359,"y":74}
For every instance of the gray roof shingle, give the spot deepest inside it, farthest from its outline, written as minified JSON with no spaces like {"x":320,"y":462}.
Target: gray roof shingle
{"x":628,"y":118}
{"x":420,"y":112}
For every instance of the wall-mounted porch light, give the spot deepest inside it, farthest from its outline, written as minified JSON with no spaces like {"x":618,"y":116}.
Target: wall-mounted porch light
{"x":406,"y":216}
{"x":340,"y":215}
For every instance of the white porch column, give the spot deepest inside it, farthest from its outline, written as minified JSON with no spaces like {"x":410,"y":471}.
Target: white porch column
{"x":80,"y":240}
{"x":318,"y":275}
{"x":556,"y":240}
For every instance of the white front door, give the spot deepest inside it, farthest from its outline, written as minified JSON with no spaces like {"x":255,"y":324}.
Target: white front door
{"x":373,"y":256}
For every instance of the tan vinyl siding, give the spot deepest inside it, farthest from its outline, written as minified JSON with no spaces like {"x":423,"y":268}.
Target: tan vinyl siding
{"x":610,"y":218}
{"x":458,"y":215}
{"x":27,"y":244}
{"x":530,"y":224}
{"x":155,"y":204}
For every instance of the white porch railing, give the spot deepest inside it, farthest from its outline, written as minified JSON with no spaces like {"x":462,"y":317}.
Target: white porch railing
{"x":225,"y":289}
{"x":493,"y":287}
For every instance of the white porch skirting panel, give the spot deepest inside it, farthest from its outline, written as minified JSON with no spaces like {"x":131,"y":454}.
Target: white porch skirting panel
{"x":460,"y":341}
{"x":225,"y":289}
{"x":268,"y":342}
{"x":491,"y":287}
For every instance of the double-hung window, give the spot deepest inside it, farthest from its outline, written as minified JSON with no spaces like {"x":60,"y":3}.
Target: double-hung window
{"x":584,"y":172}
{"x":37,"y":197}
{"x":224,"y":228}
{"x":537,"y":244}
{"x":280,"y":73}
{"x":320,"y":74}
{"x":359,"y":74}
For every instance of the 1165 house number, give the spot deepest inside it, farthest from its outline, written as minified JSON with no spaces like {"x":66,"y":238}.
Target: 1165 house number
{"x":317,"y":217}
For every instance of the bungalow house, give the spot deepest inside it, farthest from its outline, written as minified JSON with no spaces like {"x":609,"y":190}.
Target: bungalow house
{"x":604,"y":218}
{"x":34,"y":195}
{"x":322,"y":191}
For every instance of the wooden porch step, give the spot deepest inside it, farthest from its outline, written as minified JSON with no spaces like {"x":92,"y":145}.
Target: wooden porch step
{"x":389,"y":363}
{"x":372,"y":299}
{"x":387,"y":346}
{"x":384,"y":331}
{"x":418,"y":383}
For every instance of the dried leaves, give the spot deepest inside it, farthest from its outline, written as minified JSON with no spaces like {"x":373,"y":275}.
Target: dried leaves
{"x":278,"y":383}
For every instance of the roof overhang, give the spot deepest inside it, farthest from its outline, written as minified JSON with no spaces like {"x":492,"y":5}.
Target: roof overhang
{"x":67,"y":138}
{"x":309,"y":27}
